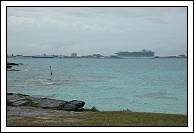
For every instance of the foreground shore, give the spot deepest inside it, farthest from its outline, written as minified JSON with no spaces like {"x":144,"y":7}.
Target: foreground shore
{"x":20,"y":113}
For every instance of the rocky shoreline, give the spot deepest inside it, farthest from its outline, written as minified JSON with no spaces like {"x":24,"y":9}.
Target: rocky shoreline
{"x":21,"y":100}
{"x":24,"y":108}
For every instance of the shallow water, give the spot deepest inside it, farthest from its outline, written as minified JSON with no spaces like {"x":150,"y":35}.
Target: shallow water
{"x":141,"y":85}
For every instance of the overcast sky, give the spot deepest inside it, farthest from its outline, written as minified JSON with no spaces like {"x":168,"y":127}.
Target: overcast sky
{"x":89,"y":30}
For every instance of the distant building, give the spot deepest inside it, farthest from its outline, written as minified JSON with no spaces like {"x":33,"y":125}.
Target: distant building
{"x":97,"y":56}
{"x":19,"y":56}
{"x":74,"y":55}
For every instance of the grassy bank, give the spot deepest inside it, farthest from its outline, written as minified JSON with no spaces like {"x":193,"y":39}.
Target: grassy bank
{"x":113,"y":118}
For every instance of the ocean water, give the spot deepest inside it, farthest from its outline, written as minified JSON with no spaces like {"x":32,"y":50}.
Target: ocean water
{"x":140,"y":85}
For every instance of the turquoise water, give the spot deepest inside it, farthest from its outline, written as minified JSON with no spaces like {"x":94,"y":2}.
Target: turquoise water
{"x":140,"y":85}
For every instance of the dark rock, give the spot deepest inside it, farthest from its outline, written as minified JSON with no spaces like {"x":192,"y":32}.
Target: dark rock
{"x":23,"y":95}
{"x":10,"y":93}
{"x":46,"y":108}
{"x":12,"y":64}
{"x":67,"y":106}
{"x":77,"y":103}
{"x":81,"y":109}
{"x":8,"y":66}
{"x":74,"y":105}
{"x":13,"y":70}
{"x":45,"y":103}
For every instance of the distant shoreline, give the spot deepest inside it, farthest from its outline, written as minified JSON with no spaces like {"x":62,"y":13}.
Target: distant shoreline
{"x":113,"y":57}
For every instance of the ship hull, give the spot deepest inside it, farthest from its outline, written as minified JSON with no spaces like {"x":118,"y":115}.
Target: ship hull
{"x":42,"y":57}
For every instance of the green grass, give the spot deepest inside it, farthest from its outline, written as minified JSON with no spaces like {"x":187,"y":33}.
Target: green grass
{"x":113,"y":118}
{"x":93,"y":109}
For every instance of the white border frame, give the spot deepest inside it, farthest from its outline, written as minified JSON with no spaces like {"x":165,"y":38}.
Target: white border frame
{"x":96,"y":3}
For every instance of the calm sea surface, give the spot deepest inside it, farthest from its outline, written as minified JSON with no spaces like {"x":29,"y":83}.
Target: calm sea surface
{"x":140,"y":85}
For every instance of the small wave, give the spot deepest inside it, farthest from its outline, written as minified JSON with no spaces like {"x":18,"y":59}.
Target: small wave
{"x":51,"y":83}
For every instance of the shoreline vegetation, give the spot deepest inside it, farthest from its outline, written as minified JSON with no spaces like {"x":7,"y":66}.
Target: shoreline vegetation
{"x":24,"y":110}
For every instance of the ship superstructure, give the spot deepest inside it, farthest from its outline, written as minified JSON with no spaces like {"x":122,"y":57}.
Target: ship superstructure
{"x":143,"y":53}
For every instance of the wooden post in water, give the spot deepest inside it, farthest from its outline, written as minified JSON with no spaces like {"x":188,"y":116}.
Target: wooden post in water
{"x":51,"y":71}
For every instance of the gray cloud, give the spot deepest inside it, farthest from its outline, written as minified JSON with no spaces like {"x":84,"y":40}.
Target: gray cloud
{"x":105,"y":30}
